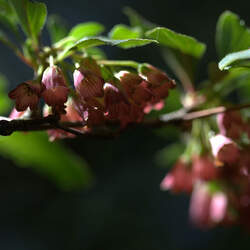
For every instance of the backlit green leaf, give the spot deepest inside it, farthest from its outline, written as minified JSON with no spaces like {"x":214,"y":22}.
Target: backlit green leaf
{"x":236,"y":59}
{"x":86,"y":29}
{"x":186,"y":44}
{"x":31,"y":15}
{"x":121,"y":31}
{"x":89,"y":42}
{"x":231,"y":34}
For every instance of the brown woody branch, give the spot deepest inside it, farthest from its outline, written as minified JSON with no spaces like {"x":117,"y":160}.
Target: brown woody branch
{"x":7,"y":126}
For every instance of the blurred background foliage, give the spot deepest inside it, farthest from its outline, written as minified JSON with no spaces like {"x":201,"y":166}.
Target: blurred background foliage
{"x":122,"y":206}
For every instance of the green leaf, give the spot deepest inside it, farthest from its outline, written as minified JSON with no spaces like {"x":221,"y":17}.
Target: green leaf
{"x":236,"y":59}
{"x":52,"y":160}
{"x":57,"y":28}
{"x":8,"y":16}
{"x":4,"y":100}
{"x":121,"y":31}
{"x":31,"y":15}
{"x":231,"y":34}
{"x":89,"y":42}
{"x":86,"y":30}
{"x":186,"y":44}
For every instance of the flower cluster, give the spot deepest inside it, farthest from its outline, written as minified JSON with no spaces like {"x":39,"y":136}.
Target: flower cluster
{"x":219,"y":181}
{"x":99,"y":98}
{"x":124,"y":97}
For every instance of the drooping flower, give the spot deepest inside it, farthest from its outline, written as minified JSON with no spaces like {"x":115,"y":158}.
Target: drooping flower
{"x":26,"y":94}
{"x":224,"y":149}
{"x":206,"y":208}
{"x":180,"y":178}
{"x":87,"y":84}
{"x":218,"y":207}
{"x":55,"y":91}
{"x":91,"y":112}
{"x":199,"y":209}
{"x":203,"y":168}
{"x":115,"y":103}
{"x":230,"y":124}
{"x":156,"y":76}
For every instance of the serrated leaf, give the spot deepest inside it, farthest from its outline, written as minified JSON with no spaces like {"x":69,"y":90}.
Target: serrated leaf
{"x":86,"y":30}
{"x":31,"y":15}
{"x":231,"y":34}
{"x":52,"y":160}
{"x":237,"y":59}
{"x":57,"y":28}
{"x":186,"y":44}
{"x":89,"y":42}
{"x":121,"y":31}
{"x":98,"y":41}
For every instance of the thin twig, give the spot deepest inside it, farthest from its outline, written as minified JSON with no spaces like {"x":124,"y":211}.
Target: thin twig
{"x":7,"y":126}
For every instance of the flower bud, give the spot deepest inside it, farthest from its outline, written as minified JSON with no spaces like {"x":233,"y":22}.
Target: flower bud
{"x":156,"y":76}
{"x":203,"y":168}
{"x":218,"y":207}
{"x":116,"y":105}
{"x":180,"y":179}
{"x":230,"y":124}
{"x":88,"y":84}
{"x":199,"y":210}
{"x":56,"y":91}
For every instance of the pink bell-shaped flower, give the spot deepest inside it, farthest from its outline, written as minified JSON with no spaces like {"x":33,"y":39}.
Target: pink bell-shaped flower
{"x":56,"y":91}
{"x":224,"y":149}
{"x":26,"y":94}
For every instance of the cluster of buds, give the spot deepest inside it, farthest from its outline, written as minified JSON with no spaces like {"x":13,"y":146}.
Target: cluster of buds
{"x":123,"y":97}
{"x":219,"y":182}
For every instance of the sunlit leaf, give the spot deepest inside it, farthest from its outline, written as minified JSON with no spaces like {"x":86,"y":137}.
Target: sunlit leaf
{"x":52,"y":160}
{"x":186,"y":44}
{"x":121,"y":31}
{"x":8,"y":16}
{"x":236,"y":59}
{"x":86,"y":30}
{"x":98,"y":41}
{"x":231,"y":34}
{"x":31,"y":15}
{"x":89,"y":42}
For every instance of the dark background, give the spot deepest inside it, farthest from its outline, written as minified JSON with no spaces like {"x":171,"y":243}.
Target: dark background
{"x":125,"y":209}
